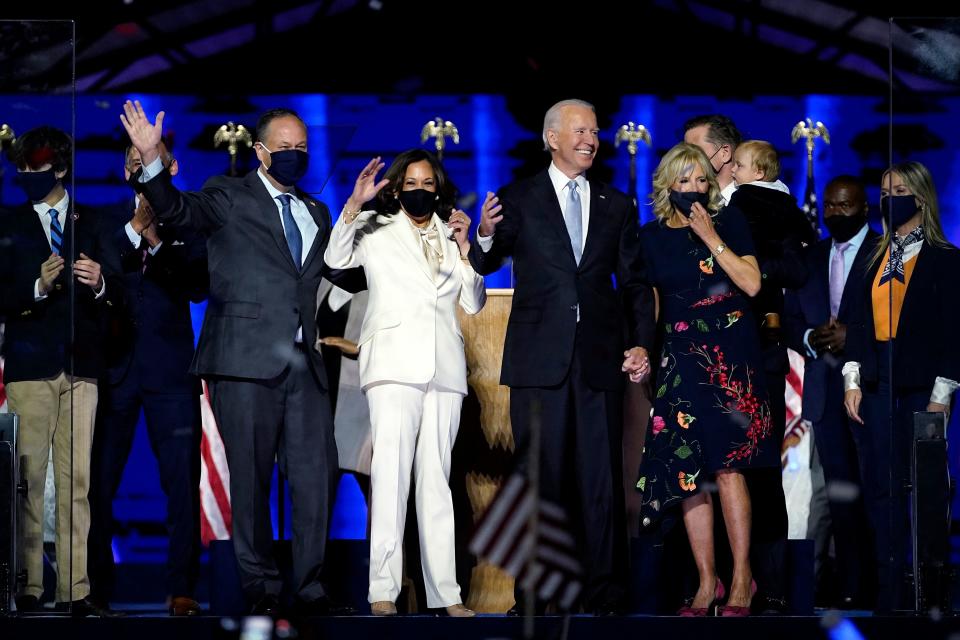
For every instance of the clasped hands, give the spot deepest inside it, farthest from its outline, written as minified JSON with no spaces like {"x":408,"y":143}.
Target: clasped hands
{"x":86,"y":270}
{"x":636,"y":363}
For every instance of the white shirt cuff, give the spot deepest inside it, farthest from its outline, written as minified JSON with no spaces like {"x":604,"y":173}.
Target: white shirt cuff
{"x":132,"y":235}
{"x":152,"y":170}
{"x":103,"y":288}
{"x":851,"y":376}
{"x":36,"y":292}
{"x":806,"y":342}
{"x":485,"y":242}
{"x":943,"y":389}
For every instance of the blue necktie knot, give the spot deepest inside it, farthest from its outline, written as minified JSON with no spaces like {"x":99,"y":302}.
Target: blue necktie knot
{"x":291,"y":230}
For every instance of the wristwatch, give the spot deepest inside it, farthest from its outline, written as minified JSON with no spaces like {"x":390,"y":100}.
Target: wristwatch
{"x":720,"y":249}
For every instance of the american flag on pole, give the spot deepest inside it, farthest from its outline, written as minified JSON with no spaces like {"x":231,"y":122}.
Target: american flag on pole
{"x":215,"y":513}
{"x":503,"y":538}
{"x":793,"y":394}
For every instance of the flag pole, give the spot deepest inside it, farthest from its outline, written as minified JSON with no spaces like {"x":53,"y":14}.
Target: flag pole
{"x":810,"y":132}
{"x":533,"y":484}
{"x":632,"y":133}
{"x":440,"y":130}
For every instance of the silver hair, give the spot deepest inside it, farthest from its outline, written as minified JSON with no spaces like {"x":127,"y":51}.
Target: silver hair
{"x":552,"y":119}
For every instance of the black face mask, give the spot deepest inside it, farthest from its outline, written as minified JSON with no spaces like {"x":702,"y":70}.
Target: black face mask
{"x":898,"y":209}
{"x":842,"y":228}
{"x":419,"y":203}
{"x":684,"y":200}
{"x":288,"y":166}
{"x":37,"y":184}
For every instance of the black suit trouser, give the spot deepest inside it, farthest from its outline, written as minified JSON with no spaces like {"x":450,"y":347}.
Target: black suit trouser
{"x":885,"y":472}
{"x":580,"y":469}
{"x":173,"y":428}
{"x":836,"y":448}
{"x":287,"y":419}
{"x":768,"y":534}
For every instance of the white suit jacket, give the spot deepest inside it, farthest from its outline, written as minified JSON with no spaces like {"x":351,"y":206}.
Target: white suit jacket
{"x":410,"y":331}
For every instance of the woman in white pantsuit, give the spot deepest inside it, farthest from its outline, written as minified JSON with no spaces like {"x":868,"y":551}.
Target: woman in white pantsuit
{"x":413,"y":247}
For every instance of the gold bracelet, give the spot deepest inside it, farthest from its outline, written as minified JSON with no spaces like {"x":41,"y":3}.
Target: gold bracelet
{"x":351,"y":215}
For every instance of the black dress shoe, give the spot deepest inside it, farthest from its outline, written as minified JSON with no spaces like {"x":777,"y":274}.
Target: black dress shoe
{"x":87,"y":608}
{"x":771,"y":606}
{"x":27,"y":604}
{"x":268,"y":605}
{"x":608,"y":609}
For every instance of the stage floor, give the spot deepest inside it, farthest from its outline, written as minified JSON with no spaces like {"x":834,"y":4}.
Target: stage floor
{"x":153,"y":625}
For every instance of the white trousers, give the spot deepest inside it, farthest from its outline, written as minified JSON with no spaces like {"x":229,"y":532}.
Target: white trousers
{"x":413,"y":427}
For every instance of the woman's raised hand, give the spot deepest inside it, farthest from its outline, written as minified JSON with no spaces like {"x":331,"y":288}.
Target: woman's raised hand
{"x":366,"y":186}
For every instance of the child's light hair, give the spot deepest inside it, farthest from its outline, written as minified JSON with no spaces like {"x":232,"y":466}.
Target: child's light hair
{"x":763,"y":158}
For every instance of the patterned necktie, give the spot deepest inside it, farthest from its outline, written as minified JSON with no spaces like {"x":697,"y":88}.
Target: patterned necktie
{"x":572,"y":216}
{"x":56,"y":232}
{"x":836,"y":276}
{"x":430,"y":243}
{"x":291,"y":230}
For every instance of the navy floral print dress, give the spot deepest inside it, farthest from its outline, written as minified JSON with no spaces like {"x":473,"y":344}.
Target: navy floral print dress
{"x":710,"y":408}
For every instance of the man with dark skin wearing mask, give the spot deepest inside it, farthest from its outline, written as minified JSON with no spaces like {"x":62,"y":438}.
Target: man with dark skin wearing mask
{"x":815,"y":318}
{"x":268,"y":387}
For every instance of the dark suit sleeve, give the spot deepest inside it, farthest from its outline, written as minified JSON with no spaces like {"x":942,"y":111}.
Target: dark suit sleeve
{"x":504,"y":238}
{"x":786,"y":267}
{"x":794,"y":323}
{"x":203,"y":210}
{"x":108,"y":256}
{"x":10,"y":298}
{"x":947,"y":288}
{"x":182,"y":270}
{"x":633,"y":284}
{"x":351,"y":280}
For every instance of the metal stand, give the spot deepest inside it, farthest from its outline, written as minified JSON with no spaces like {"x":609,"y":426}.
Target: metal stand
{"x":930,"y":492}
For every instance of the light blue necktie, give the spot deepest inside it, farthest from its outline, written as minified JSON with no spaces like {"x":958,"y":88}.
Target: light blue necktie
{"x":56,"y":232}
{"x":291,"y":230}
{"x":572,"y":216}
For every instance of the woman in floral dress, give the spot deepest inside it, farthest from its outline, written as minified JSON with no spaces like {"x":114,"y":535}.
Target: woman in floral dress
{"x":711,"y":416}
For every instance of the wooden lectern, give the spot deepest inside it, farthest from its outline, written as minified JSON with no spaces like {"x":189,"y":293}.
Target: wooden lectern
{"x":491,"y":589}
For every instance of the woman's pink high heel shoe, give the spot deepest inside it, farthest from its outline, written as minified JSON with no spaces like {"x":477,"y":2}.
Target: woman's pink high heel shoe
{"x":739,"y":612}
{"x":686,"y":611}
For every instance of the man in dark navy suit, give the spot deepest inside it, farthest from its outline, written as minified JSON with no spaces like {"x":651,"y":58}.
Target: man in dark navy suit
{"x":815,"y":322}
{"x":582,"y":316}
{"x":148,"y":360}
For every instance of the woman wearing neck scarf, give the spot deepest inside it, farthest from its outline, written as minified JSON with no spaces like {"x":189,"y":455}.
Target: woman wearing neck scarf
{"x":412,"y":245}
{"x":904,"y":345}
{"x":711,"y":417}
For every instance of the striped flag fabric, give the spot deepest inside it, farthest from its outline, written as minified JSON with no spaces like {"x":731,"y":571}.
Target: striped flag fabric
{"x":216,"y":516}
{"x":503,"y":538}
{"x":794,"y":389}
